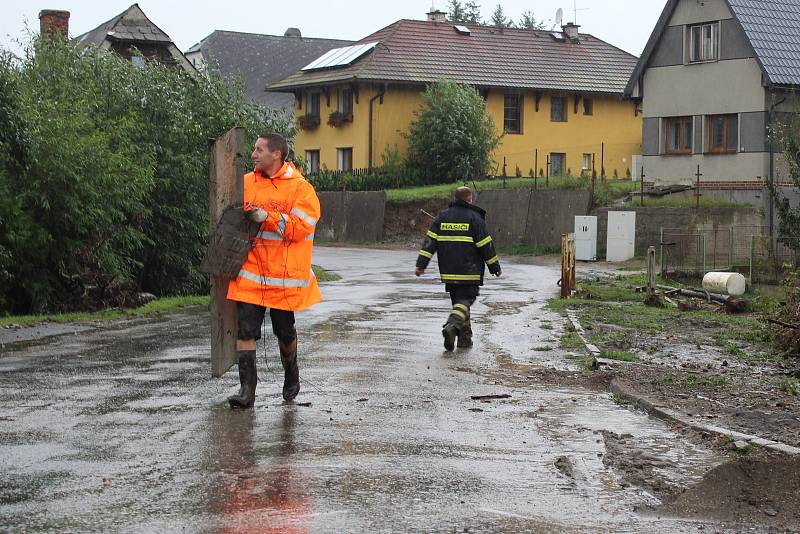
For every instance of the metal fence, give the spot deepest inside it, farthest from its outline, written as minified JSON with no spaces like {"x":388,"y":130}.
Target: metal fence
{"x":745,"y":249}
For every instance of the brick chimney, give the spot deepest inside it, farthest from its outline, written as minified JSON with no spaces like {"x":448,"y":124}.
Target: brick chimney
{"x":570,"y":31}
{"x":53,"y":22}
{"x":437,"y":16}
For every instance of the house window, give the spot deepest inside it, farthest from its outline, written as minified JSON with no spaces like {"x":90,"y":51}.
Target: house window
{"x":312,"y":161}
{"x":312,"y":104}
{"x":703,"y":42}
{"x":346,"y":101}
{"x":587,"y":162}
{"x":678,"y":135}
{"x":512,"y":114}
{"x":588,"y":106}
{"x":722,"y":133}
{"x":558,"y":109}
{"x":138,"y":61}
{"x":345,"y":159}
{"x":557,"y":164}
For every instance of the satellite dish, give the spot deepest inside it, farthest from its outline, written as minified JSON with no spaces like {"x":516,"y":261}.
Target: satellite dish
{"x":559,"y":16}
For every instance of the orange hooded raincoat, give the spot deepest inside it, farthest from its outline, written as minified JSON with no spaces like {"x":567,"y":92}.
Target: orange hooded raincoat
{"x":277,"y":272}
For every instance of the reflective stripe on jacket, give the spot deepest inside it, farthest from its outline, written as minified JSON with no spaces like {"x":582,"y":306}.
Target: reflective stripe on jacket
{"x":277,"y":272}
{"x":460,"y":238}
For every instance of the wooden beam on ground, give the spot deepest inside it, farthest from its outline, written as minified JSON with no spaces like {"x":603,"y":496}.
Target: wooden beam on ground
{"x":226,"y":164}
{"x":732,"y":304}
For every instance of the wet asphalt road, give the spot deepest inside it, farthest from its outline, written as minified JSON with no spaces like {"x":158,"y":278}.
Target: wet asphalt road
{"x":124,"y":429}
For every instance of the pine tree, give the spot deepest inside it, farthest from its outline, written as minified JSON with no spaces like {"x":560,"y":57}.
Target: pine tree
{"x":499,"y":18}
{"x":472,"y":13}
{"x":527,"y":21}
{"x":455,"y":12}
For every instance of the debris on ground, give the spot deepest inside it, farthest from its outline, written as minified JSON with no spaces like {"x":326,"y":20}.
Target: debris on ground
{"x":744,"y":490}
{"x":564,"y":465}
{"x":490,"y":397}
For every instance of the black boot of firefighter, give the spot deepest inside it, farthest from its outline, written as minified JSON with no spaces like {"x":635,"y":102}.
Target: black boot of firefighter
{"x":248,"y":377}
{"x":291,"y":372}
{"x":465,"y":335}
{"x":458,"y":317}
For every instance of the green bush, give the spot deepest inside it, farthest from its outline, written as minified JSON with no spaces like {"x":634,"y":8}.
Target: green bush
{"x":788,"y":311}
{"x":112,"y":196}
{"x":452,"y":136}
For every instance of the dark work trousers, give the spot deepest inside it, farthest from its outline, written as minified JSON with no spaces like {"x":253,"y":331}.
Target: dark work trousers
{"x":251,"y":318}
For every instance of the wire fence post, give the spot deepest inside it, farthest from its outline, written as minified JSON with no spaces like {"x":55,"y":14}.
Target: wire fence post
{"x":547,"y":174}
{"x":661,"y":254}
{"x":641,"y":187}
{"x":705,"y":251}
{"x":603,"y":162}
{"x":750,"y":275}
{"x":697,"y":188}
{"x":730,"y":247}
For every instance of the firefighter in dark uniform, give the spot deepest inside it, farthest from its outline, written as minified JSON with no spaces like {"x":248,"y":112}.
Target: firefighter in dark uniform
{"x":464,"y":245}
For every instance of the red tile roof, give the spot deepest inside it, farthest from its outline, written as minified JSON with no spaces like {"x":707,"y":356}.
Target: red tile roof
{"x":421,"y":52}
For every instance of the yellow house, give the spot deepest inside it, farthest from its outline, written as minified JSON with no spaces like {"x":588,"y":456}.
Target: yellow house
{"x":556,"y":96}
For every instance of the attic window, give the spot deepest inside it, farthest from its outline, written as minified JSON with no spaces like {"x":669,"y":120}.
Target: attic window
{"x":340,"y":57}
{"x":463,"y":30}
{"x":703,"y":44}
{"x":557,"y":36}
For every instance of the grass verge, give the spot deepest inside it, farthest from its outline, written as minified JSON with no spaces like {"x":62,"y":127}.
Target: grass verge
{"x":156,"y":307}
{"x":323,"y":275}
{"x":619,"y":324}
{"x":611,"y":189}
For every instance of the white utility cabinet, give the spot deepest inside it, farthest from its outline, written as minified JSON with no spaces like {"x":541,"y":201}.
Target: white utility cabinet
{"x":586,"y":238}
{"x":621,"y":235}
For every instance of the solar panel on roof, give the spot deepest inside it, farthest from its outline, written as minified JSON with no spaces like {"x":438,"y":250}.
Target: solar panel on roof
{"x":340,"y":57}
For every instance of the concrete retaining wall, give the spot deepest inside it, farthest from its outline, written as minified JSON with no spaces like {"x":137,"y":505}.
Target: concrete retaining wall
{"x":351,"y":216}
{"x":532,"y":217}
{"x":713,"y":221}
{"x":536,"y":218}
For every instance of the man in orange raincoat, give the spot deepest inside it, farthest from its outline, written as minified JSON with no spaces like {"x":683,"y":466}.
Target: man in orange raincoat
{"x":277,"y":273}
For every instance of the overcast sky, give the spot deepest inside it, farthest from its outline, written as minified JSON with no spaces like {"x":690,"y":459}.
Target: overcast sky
{"x":623,"y":23}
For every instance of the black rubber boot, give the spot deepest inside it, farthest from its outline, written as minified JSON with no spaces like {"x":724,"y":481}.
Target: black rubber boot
{"x":465,"y":335}
{"x":459,"y":316}
{"x":291,"y":372}
{"x":449,"y":333}
{"x":248,"y":378}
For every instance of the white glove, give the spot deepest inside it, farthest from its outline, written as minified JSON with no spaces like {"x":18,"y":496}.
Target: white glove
{"x":257,"y":215}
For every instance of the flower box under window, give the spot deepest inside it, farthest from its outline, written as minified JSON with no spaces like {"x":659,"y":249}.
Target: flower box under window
{"x":337,"y":119}
{"x":308,"y":122}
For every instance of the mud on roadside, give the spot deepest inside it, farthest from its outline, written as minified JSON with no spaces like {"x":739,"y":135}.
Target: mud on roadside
{"x":715,"y":371}
{"x":752,"y":488}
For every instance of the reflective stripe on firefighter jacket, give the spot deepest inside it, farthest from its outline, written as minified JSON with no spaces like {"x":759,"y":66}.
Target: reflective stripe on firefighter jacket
{"x":277,"y":272}
{"x":463,"y":244}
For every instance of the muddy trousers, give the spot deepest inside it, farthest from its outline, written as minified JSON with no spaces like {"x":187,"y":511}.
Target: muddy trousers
{"x":458,"y":322}
{"x":250,"y":319}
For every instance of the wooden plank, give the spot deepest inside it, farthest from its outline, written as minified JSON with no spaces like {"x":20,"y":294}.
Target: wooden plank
{"x":226,"y":165}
